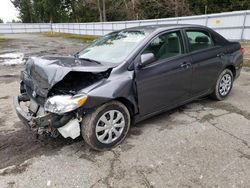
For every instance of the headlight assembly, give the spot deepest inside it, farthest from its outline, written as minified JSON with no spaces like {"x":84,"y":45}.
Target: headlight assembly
{"x":60,"y":104}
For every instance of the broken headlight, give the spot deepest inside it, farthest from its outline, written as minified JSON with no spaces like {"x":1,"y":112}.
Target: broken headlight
{"x":60,"y":104}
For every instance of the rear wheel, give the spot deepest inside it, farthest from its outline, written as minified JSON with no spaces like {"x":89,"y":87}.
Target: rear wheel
{"x":224,"y":85}
{"x":106,"y":126}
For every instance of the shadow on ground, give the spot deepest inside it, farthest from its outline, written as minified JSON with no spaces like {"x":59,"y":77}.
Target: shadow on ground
{"x":19,"y":146}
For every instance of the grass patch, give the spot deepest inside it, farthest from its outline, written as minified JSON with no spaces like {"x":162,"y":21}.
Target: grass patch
{"x":3,"y":40}
{"x":84,"y":38}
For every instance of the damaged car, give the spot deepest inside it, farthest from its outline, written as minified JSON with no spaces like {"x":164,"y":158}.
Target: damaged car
{"x":125,"y":77}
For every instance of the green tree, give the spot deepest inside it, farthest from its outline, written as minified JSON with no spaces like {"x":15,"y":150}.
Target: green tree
{"x":41,"y":10}
{"x":116,"y":10}
{"x":1,"y":21}
{"x":217,"y":6}
{"x":25,"y":10}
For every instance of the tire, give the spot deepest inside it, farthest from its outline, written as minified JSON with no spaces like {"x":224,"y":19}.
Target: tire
{"x":227,"y":78}
{"x":97,"y":133}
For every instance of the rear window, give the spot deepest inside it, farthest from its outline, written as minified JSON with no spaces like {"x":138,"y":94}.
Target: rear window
{"x":199,"y":40}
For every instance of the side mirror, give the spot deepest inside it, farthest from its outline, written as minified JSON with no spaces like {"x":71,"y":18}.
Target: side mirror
{"x":146,"y":59}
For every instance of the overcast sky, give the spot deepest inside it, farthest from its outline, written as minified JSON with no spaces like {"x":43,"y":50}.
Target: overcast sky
{"x":7,"y":11}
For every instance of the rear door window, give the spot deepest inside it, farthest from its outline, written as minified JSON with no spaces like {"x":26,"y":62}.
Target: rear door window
{"x":199,"y":40}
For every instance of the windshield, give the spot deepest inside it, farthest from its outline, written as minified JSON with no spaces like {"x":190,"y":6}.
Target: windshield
{"x":113,"y":48}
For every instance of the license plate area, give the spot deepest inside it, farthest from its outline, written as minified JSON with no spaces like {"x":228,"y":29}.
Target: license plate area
{"x":33,"y":106}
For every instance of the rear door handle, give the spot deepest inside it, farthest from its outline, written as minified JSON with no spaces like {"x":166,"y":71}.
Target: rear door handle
{"x":185,"y":65}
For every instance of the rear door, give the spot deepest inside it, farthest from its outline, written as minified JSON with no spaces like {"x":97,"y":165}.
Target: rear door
{"x":166,"y":81}
{"x":207,"y":59}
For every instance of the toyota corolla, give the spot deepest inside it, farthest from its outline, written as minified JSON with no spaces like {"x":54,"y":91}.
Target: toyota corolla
{"x":125,"y":77}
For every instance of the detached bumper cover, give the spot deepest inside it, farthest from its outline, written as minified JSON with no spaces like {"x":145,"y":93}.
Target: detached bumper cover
{"x":25,"y":117}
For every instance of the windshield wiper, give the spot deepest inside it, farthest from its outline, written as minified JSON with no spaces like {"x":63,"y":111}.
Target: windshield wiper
{"x":76,"y":55}
{"x":90,"y":60}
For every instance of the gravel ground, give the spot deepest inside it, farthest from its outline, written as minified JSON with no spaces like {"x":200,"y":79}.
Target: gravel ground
{"x":202,"y":144}
{"x":246,"y":46}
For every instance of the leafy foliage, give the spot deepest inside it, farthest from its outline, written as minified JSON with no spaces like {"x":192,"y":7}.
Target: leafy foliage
{"x":216,"y":6}
{"x":114,"y":10}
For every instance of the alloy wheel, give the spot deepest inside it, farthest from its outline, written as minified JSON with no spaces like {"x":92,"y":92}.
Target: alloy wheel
{"x":225,"y":84}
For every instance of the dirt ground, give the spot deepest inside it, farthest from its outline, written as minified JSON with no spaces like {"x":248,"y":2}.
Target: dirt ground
{"x":202,"y":144}
{"x":246,"y":46}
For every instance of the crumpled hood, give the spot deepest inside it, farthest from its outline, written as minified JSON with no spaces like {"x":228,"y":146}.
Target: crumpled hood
{"x":46,"y":71}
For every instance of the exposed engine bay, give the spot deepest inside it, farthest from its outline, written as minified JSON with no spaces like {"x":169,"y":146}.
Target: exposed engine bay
{"x":53,"y":80}
{"x":73,"y":82}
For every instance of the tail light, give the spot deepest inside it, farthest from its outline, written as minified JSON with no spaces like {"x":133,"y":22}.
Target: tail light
{"x":242,"y":50}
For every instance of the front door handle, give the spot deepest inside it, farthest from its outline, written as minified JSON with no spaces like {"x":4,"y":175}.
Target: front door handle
{"x":185,"y":65}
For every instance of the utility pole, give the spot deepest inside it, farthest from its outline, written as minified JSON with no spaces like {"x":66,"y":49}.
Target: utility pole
{"x":205,"y":9}
{"x":104,"y":11}
{"x":100,"y":10}
{"x":176,"y":2}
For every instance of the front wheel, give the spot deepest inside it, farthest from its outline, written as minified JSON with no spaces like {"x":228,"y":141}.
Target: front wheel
{"x":106,"y":126}
{"x":224,"y":85}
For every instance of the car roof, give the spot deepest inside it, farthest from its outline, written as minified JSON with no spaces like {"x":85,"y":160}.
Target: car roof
{"x":160,"y":27}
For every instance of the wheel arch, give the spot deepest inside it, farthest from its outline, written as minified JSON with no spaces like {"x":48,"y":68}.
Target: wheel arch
{"x":231,"y":68}
{"x":130,"y":106}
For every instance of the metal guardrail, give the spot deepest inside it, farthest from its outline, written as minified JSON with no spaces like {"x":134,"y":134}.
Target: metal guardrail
{"x":232,"y":25}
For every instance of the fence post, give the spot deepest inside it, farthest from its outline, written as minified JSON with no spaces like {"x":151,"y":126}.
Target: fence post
{"x":25,"y":30}
{"x":11,"y":28}
{"x":206,"y":22}
{"x":51,"y":27}
{"x":102,"y":29}
{"x":243,"y":26}
{"x":79,"y":32}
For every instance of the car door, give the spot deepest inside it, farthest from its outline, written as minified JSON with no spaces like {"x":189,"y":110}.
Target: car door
{"x":166,"y":81}
{"x":207,"y":58}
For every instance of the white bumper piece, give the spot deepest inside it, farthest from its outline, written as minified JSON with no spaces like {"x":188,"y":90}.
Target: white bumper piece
{"x":71,"y":129}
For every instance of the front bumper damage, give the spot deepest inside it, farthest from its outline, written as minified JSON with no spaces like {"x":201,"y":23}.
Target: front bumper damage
{"x":68,"y":125}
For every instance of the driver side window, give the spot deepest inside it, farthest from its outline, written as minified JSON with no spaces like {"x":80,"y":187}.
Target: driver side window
{"x":165,"y":46}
